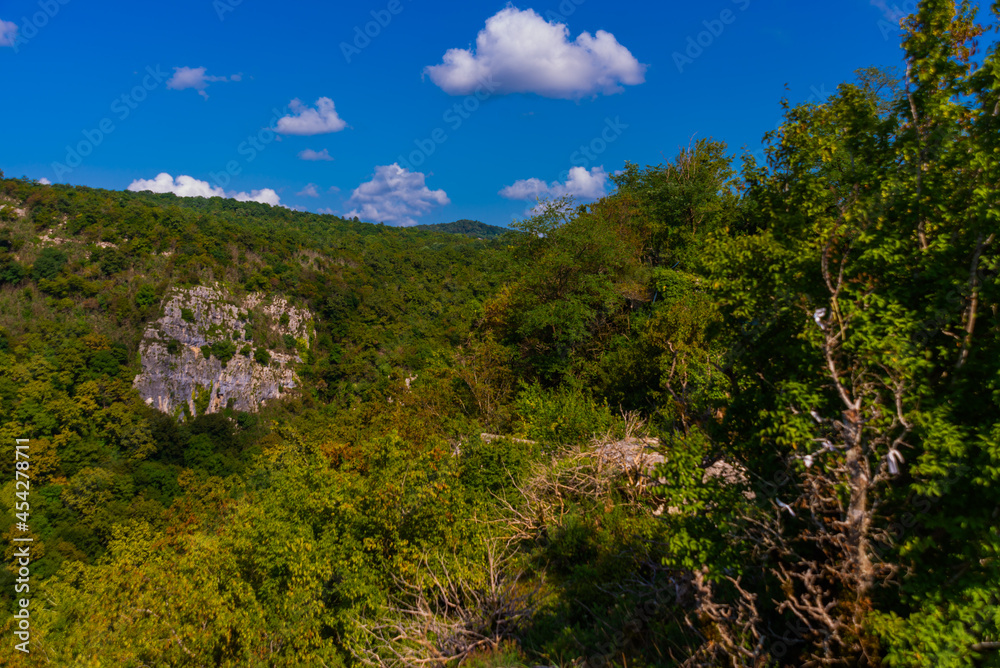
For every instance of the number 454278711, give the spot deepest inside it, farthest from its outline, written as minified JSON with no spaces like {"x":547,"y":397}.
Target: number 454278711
{"x":23,"y":484}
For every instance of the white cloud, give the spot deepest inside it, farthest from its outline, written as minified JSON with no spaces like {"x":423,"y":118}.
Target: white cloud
{"x":187,"y":186}
{"x":183,"y":186}
{"x":8,"y":33}
{"x":309,"y":191}
{"x":394,"y":195}
{"x":580,"y":183}
{"x":307,"y":121}
{"x":196,"y":78}
{"x":264,"y":196}
{"x":310,"y":154}
{"x":44,"y":181}
{"x":526,"y":189}
{"x":521,"y":52}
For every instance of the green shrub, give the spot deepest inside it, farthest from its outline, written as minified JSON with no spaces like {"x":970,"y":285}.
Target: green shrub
{"x":146,"y":296}
{"x":9,"y":243}
{"x":225,"y":350}
{"x":104,"y":362}
{"x":187,"y":315}
{"x":110,"y":260}
{"x":10,"y":271}
{"x":565,"y":415}
{"x":202,"y":398}
{"x":49,"y":264}
{"x":262,"y":356}
{"x":497,"y":465}
{"x":173,"y":346}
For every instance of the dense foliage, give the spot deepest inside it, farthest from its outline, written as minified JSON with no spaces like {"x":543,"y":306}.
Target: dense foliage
{"x":724,"y":416}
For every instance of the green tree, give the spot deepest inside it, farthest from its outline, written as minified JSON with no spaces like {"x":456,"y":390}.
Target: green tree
{"x":49,"y":263}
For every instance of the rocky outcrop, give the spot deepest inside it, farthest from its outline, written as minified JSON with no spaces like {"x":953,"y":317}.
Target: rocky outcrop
{"x":210,"y":350}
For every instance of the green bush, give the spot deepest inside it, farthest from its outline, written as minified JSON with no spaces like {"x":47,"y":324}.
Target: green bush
{"x":187,"y":315}
{"x":104,"y":362}
{"x":110,"y":260}
{"x":49,"y":264}
{"x":225,"y":350}
{"x":173,"y":346}
{"x":262,"y":356}
{"x":10,"y":271}
{"x":8,"y":242}
{"x":497,"y":465}
{"x":564,"y":415}
{"x":146,"y":296}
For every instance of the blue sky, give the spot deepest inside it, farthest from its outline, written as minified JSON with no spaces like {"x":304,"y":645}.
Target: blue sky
{"x":441,"y":111}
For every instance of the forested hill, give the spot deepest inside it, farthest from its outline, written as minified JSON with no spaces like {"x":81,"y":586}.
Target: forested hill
{"x":472,"y":228}
{"x":721,"y":417}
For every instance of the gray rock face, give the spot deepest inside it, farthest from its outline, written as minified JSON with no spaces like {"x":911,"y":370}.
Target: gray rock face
{"x":178,"y":379}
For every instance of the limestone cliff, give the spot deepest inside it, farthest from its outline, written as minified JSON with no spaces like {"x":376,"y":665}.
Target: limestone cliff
{"x":210,"y":349}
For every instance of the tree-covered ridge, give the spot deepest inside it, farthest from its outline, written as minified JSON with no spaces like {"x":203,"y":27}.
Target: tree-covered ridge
{"x":810,"y":345}
{"x":471,"y":228}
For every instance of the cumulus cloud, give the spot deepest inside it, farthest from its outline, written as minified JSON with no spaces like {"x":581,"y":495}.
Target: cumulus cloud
{"x":44,"y":181}
{"x":310,"y":154}
{"x":8,"y":33}
{"x":526,"y":189}
{"x":521,"y":52}
{"x":395,"y":195}
{"x":580,"y":183}
{"x":196,"y":78}
{"x":187,"y":186}
{"x":305,"y":120}
{"x":183,"y":186}
{"x":309,"y":191}
{"x":264,"y":196}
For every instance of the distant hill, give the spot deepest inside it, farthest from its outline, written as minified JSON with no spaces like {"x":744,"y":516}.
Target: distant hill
{"x":471,"y":228}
